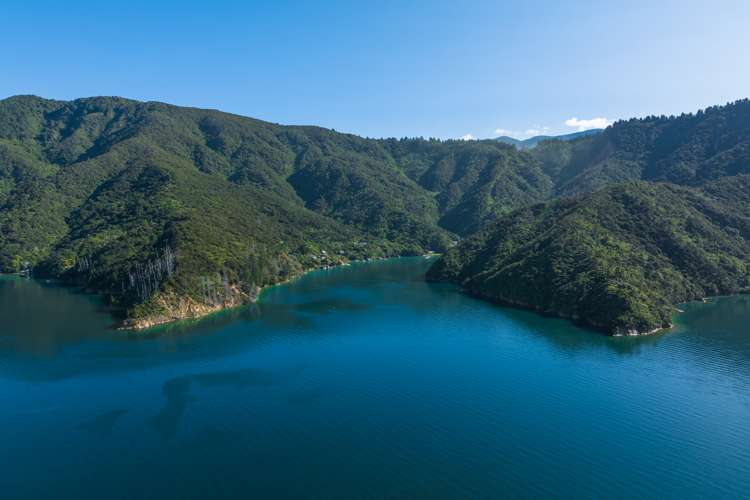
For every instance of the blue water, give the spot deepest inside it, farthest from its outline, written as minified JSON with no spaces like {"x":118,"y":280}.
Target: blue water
{"x":367,"y":382}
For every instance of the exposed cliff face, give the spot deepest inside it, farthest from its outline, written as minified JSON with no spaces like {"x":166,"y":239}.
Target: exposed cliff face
{"x":171,"y":307}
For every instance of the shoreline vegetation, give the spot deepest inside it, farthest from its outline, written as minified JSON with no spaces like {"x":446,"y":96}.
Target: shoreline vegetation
{"x":220,"y":308}
{"x":677,"y":310}
{"x":197,"y":311}
{"x":577,"y":321}
{"x":203,"y":312}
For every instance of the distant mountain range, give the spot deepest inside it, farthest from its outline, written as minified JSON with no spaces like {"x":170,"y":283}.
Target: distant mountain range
{"x":531,"y":142}
{"x":174,"y":212}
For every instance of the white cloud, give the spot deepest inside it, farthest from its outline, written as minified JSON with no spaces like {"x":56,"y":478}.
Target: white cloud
{"x":467,"y":137}
{"x":582,"y":125}
{"x":502,"y":131}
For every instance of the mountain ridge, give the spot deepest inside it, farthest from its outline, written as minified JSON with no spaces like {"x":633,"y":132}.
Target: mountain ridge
{"x":532,"y":142}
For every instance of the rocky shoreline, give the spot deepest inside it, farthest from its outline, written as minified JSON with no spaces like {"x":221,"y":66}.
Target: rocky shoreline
{"x":186,"y":308}
{"x":632,"y":332}
{"x":628,"y":332}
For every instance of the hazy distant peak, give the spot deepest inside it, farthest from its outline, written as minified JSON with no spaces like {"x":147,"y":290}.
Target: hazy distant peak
{"x":533,"y":141}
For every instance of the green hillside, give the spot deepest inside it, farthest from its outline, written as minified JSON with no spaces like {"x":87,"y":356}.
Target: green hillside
{"x":94,"y":191}
{"x":617,"y":259}
{"x":690,"y":149}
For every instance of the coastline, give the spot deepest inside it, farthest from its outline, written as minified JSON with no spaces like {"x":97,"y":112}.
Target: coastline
{"x":582,"y":323}
{"x":600,"y":329}
{"x":190,"y":310}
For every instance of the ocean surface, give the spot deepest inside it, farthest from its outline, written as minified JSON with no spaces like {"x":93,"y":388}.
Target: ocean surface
{"x":367,"y":382}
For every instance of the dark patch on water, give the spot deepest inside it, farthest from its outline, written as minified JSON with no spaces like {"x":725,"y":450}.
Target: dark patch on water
{"x":103,"y":424}
{"x":178,"y":395}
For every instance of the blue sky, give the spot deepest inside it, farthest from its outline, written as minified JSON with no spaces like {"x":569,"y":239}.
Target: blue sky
{"x":433,"y":69}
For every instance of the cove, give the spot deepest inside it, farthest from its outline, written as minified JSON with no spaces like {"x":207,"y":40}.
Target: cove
{"x":368,"y":382}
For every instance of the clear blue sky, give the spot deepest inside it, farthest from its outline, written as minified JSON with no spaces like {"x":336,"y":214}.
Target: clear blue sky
{"x":433,"y":68}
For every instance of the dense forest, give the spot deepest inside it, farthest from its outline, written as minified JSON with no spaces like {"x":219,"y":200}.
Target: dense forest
{"x":617,"y":259}
{"x":170,"y":211}
{"x":690,"y":149}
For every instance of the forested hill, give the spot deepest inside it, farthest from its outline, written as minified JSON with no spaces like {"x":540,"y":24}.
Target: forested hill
{"x":690,"y":149}
{"x":475,"y":182}
{"x":165,"y":208}
{"x":618,"y":259}
{"x":170,"y":209}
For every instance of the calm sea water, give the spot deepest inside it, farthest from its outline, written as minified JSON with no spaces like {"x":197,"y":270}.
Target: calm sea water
{"x":366,"y":382}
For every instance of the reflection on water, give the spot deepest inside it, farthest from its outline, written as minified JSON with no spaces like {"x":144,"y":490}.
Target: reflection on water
{"x":41,"y":318}
{"x":368,"y":382}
